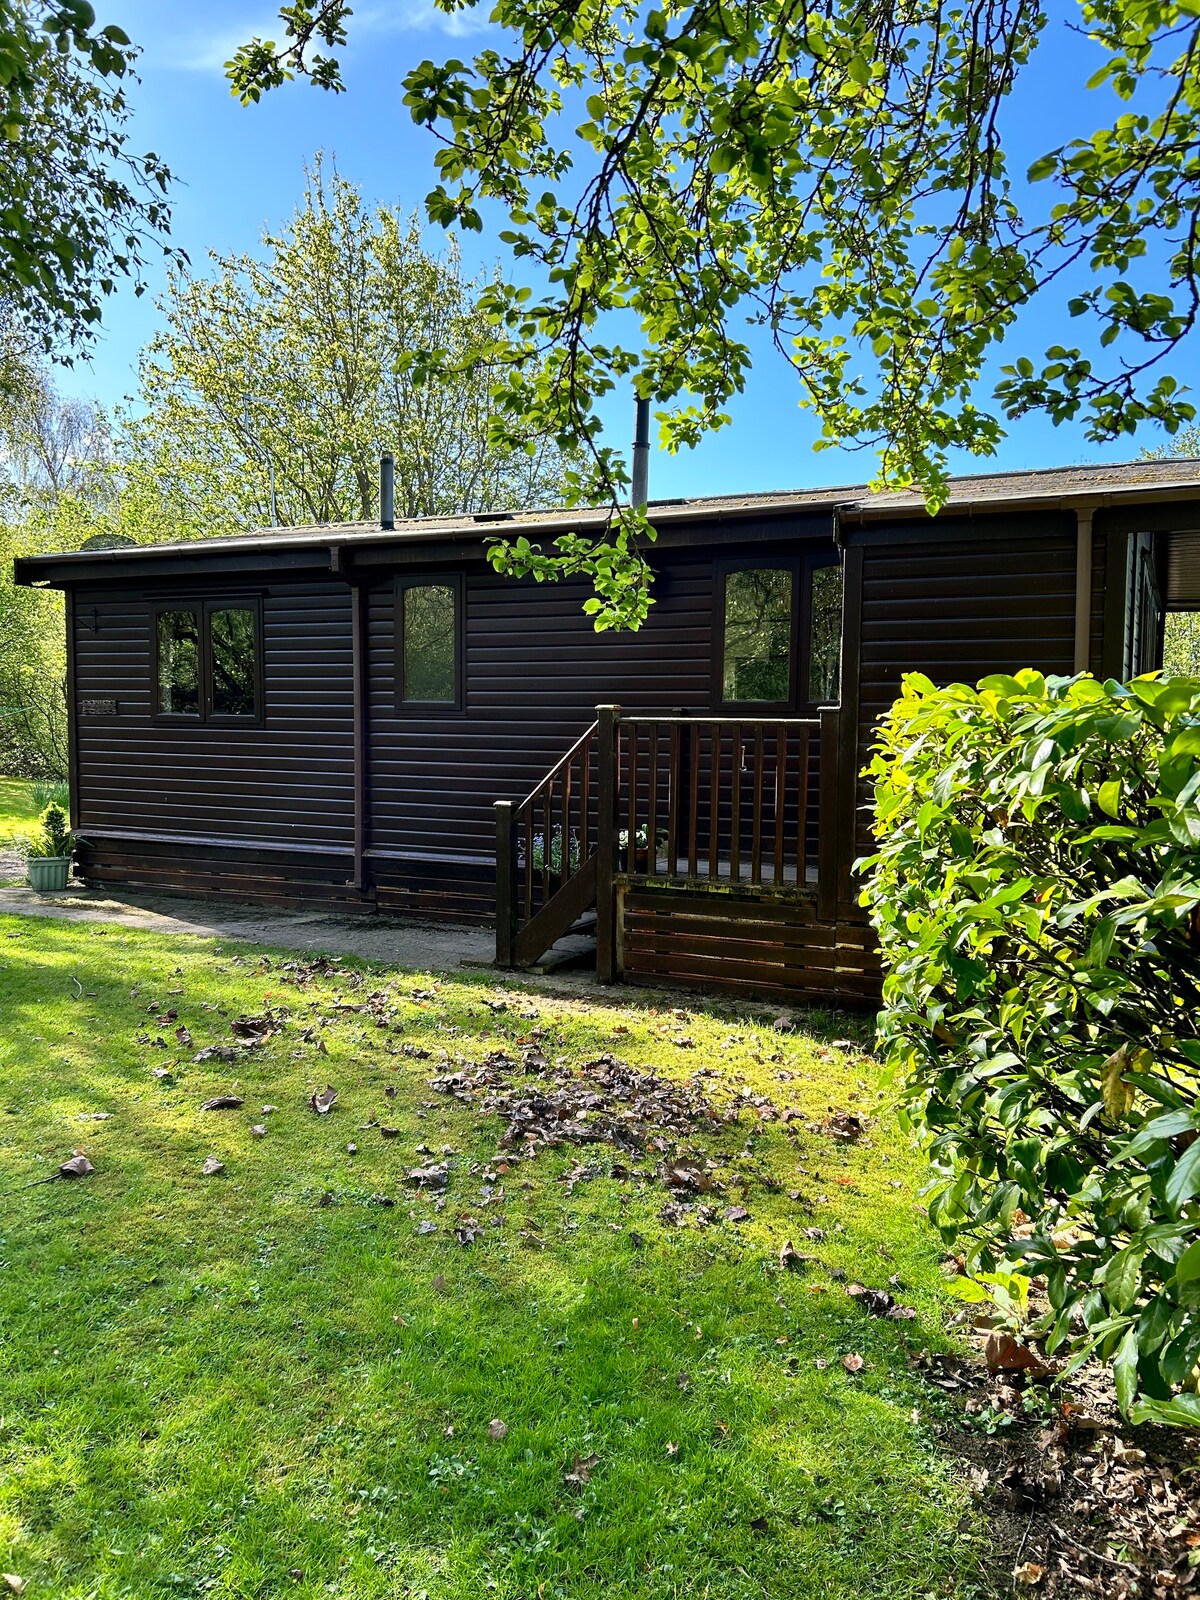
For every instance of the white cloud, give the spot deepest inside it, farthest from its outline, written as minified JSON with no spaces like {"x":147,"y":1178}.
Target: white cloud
{"x":208,"y":51}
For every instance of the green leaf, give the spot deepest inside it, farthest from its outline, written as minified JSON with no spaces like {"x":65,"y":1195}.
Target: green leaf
{"x":1125,"y":1370}
{"x":1184,"y":1181}
{"x":1122,"y":1276}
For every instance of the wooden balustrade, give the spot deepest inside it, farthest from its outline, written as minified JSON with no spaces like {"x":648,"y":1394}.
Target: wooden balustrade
{"x":706,"y":802}
{"x":720,"y":801}
{"x":545,"y":844}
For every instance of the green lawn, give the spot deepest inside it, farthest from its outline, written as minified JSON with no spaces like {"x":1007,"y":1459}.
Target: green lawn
{"x":266,"y":1382}
{"x":17,"y":809}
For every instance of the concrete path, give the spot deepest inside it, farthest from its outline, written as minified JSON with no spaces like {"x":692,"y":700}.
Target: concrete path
{"x":421,"y":945}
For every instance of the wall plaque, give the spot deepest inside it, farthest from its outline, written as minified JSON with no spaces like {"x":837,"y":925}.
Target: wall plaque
{"x":97,"y":708}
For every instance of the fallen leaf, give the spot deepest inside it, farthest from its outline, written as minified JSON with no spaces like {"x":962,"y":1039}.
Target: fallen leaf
{"x":216,"y":1052}
{"x":672,"y":1447}
{"x":212,"y":1166}
{"x":389,"y":1133}
{"x":426,"y":1227}
{"x":14,"y":1584}
{"x":790,"y":1258}
{"x":77,"y":1167}
{"x":323,"y":1101}
{"x":736,"y":1214}
{"x":497,"y":1430}
{"x":1029,"y":1574}
{"x":853,"y":1362}
{"x":581,"y":1470}
{"x":352,"y":1149}
{"x":223,"y":1102}
{"x":1003,"y":1353}
{"x":160,"y":1072}
{"x":843,"y":1125}
{"x":258,"y":1130}
{"x":439,"y":1284}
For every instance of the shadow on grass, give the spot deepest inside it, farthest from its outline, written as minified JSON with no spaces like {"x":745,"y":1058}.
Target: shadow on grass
{"x":212,"y":1385}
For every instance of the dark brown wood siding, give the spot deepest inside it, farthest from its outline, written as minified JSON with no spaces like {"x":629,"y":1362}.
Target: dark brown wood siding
{"x":535,"y":672}
{"x":957,"y":610}
{"x":287,"y":782}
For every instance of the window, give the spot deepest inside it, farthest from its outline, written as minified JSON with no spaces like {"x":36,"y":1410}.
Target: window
{"x":178,"y":664}
{"x":780,"y":633}
{"x":232,"y":657}
{"x":757,"y":655}
{"x":825,"y":635}
{"x":429,"y":642}
{"x":207,"y":662}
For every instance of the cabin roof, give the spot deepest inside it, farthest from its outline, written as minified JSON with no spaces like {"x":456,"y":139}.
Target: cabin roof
{"x":1047,"y":488}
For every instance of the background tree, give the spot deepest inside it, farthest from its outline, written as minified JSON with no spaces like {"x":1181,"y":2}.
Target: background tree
{"x":836,"y":173}
{"x":301,"y":361}
{"x":78,"y":209}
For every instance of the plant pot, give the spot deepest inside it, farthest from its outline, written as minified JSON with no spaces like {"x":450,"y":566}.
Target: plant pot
{"x":49,"y":873}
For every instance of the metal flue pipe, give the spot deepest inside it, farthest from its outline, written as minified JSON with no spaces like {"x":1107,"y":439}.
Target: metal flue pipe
{"x":639,"y":492}
{"x":387,"y":490}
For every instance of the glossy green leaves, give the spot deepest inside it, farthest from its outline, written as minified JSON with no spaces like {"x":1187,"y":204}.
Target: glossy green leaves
{"x":1036,"y":891}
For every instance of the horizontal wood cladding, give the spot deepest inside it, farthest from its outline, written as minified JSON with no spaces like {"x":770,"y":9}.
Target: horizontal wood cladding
{"x":439,"y":891}
{"x":535,"y":672}
{"x":958,"y":611}
{"x":287,"y":781}
{"x":263,"y":877}
{"x":730,"y":944}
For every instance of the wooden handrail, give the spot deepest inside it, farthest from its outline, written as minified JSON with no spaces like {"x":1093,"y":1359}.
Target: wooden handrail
{"x":558,"y":767}
{"x":743,"y":800}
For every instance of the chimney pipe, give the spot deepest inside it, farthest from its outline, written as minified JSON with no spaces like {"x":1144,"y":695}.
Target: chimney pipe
{"x":387,"y":490}
{"x":641,"y":456}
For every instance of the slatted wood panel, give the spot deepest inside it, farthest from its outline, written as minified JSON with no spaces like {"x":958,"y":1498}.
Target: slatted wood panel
{"x":737,"y":944}
{"x":959,"y":610}
{"x":264,"y":877}
{"x":289,"y":781}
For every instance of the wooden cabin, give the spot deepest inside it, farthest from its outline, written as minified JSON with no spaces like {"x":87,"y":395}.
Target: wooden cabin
{"x":368,"y":718}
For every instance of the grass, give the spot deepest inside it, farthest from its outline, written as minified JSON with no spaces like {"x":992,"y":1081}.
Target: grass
{"x":17,"y":807}
{"x":265,"y":1383}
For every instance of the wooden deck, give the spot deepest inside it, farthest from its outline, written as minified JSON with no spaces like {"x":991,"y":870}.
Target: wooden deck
{"x":710,"y":849}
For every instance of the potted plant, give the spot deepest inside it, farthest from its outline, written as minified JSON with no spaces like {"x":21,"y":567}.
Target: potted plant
{"x":48,"y":852}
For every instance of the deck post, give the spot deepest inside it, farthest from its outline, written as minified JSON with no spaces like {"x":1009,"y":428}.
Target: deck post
{"x":506,"y":883}
{"x":607,"y":718}
{"x":827,"y":817}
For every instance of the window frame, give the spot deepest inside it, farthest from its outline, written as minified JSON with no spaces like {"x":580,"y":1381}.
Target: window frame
{"x":801,"y":567}
{"x":206,"y":716}
{"x":430,"y":708}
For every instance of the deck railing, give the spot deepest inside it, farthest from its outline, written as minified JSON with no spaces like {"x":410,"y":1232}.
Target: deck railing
{"x":545,"y":851}
{"x":701,"y":802}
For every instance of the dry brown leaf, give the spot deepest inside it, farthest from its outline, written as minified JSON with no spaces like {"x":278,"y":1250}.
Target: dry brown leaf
{"x":323,"y":1101}
{"x":1029,"y":1574}
{"x":580,"y":1470}
{"x":223,"y":1102}
{"x":258,"y":1130}
{"x":497,"y":1430}
{"x":12,"y":1583}
{"x":853,"y":1362}
{"x":212,"y":1166}
{"x":1003,"y":1353}
{"x":77,"y":1167}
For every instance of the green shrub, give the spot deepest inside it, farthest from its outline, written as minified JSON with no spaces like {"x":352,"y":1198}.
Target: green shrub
{"x":1036,"y":892}
{"x":54,"y":836}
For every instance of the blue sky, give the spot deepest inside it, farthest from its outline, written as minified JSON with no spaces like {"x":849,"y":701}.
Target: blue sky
{"x":239,"y":169}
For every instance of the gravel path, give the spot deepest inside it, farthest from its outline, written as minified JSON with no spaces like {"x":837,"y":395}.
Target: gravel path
{"x":405,"y":943}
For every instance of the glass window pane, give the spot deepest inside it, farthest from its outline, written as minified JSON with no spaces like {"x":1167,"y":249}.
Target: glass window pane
{"x":179,"y":663}
{"x":758,"y":635}
{"x":825,"y":640}
{"x":231,"y":643}
{"x":429,"y":642}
